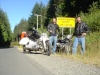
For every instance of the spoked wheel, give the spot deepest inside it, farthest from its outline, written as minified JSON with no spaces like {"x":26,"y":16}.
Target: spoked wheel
{"x":48,"y":48}
{"x":24,"y":50}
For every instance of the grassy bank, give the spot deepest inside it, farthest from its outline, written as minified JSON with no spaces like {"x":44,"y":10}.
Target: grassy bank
{"x":15,"y":43}
{"x":92,"y":54}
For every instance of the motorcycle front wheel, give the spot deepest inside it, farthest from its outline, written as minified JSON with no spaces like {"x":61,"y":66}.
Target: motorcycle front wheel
{"x":48,"y":50}
{"x":24,"y":50}
{"x":67,"y":48}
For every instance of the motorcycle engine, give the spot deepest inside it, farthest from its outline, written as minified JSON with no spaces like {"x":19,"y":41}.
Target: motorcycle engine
{"x":60,"y":45}
{"x":35,"y":47}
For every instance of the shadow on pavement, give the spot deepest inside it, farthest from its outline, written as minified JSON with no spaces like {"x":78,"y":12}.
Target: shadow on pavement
{"x":36,"y":53}
{"x":27,"y":52}
{"x":6,"y":47}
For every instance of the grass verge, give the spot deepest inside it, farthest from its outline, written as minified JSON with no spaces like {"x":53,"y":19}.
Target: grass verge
{"x":92,"y":54}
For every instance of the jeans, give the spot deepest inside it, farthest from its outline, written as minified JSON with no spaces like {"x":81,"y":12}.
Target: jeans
{"x":77,"y":40}
{"x":53,"y":40}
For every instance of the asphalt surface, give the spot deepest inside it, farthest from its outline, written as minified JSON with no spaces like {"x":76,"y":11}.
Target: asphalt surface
{"x":13,"y":62}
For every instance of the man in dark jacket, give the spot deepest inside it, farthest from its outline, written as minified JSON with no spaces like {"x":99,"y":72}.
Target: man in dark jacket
{"x":52,"y":28}
{"x":80,"y":32}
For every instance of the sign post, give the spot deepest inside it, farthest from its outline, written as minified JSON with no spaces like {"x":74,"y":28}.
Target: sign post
{"x":66,"y":22}
{"x":70,"y":30}
{"x":62,"y":32}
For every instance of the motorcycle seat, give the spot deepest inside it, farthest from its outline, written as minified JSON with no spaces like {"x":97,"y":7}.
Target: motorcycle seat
{"x":64,"y":40}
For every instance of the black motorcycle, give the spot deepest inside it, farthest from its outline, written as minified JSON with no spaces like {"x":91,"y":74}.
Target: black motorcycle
{"x":64,"y":45}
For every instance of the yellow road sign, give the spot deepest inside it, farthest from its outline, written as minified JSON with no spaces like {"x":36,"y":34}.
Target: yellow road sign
{"x":66,"y":22}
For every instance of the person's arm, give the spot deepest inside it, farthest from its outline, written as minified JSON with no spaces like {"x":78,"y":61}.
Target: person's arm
{"x":49,"y":28}
{"x":86,"y":29}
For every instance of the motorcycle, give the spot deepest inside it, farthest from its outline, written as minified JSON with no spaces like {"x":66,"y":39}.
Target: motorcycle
{"x":36,"y":42}
{"x":64,"y":44}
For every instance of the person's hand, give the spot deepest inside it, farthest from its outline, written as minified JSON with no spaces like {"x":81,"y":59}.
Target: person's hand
{"x":72,"y":35}
{"x":83,"y":34}
{"x":57,"y":35}
{"x":50,"y":31}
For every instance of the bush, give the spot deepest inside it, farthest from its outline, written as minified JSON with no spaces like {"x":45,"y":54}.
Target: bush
{"x":93,"y":17}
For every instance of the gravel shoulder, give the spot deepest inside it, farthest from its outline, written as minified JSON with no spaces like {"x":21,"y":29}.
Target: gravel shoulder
{"x":63,"y":66}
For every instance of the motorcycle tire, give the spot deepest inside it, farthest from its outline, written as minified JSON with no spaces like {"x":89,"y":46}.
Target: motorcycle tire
{"x":67,"y":48}
{"x":29,"y":51}
{"x":24,"y":50}
{"x":48,"y":51}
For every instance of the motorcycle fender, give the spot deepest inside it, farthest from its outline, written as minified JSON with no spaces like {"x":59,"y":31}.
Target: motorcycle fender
{"x":24,"y":41}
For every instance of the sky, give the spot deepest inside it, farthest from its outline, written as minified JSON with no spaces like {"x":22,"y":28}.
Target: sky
{"x":18,"y":9}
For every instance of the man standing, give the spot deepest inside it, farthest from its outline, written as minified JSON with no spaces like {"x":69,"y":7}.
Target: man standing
{"x":80,"y":32}
{"x":52,"y":28}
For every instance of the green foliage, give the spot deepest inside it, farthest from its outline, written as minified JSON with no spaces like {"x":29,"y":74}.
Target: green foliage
{"x":38,"y":9}
{"x":92,"y":48}
{"x":56,"y":8}
{"x":15,"y":43}
{"x":67,"y":7}
{"x":19,"y":28}
{"x":5,"y":30}
{"x":92,"y":18}
{"x":22,"y":26}
{"x":43,"y":30}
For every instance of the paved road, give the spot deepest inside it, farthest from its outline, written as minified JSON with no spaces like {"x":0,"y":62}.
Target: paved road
{"x":13,"y":62}
{"x":63,"y":66}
